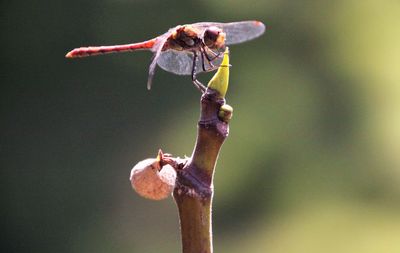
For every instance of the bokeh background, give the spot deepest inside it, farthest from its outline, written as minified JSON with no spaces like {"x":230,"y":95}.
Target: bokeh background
{"x":312,"y":163}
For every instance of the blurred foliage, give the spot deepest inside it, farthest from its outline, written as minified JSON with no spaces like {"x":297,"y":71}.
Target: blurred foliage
{"x":311,"y":164}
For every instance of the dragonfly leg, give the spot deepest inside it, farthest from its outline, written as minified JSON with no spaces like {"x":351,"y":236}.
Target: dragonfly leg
{"x":205,"y":52}
{"x":216,"y":55}
{"x":196,"y":82}
{"x":202,"y":59}
{"x":199,"y":86}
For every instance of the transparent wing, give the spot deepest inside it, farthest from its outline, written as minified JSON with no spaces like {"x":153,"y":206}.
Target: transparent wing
{"x":237,"y":32}
{"x":181,"y":62}
{"x":177,"y":62}
{"x":157,"y":49}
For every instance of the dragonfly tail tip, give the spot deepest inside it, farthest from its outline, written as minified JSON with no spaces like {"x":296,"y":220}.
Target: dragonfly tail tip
{"x":69,"y":55}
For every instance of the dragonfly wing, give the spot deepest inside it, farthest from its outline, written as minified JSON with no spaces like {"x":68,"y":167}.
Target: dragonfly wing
{"x":181,"y":62}
{"x":157,"y":52}
{"x":237,"y":32}
{"x":177,"y":62}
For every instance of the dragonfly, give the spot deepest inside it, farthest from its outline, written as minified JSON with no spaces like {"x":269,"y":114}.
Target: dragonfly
{"x":185,"y":49}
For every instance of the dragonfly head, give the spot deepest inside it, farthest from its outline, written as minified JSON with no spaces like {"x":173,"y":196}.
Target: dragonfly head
{"x":214,"y":38}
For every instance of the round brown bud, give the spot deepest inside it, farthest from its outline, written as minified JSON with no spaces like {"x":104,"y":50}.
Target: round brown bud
{"x":152,"y":181}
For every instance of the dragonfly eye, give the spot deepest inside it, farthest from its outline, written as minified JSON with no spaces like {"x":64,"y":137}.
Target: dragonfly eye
{"x":211,"y":36}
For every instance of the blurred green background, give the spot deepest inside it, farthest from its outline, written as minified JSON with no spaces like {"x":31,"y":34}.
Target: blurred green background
{"x":312,"y":163}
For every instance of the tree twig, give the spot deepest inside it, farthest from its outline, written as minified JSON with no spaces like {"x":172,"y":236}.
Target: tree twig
{"x":193,"y":188}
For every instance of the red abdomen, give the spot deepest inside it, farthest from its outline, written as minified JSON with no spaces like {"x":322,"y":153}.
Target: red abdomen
{"x":89,"y":51}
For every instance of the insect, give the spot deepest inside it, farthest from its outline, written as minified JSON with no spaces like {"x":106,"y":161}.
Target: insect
{"x":186,"y":49}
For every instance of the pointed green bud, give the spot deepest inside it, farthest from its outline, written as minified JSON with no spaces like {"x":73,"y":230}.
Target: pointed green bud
{"x":220,"y":80}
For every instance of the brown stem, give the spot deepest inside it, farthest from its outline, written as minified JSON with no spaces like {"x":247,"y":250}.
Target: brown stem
{"x":194,"y":188}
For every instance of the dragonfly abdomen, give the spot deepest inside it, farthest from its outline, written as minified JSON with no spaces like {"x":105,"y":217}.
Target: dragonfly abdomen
{"x":91,"y":51}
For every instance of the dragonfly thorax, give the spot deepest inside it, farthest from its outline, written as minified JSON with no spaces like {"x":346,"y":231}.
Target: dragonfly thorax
{"x":183,"y":38}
